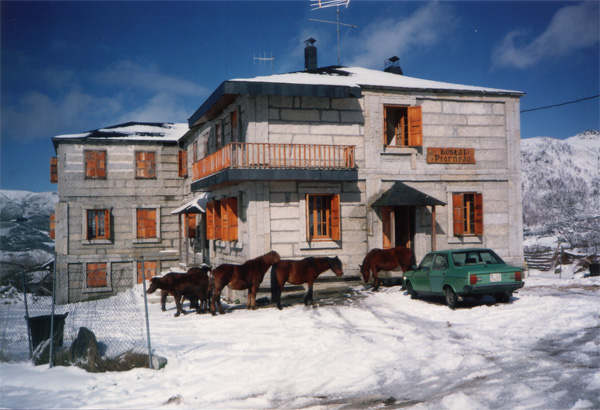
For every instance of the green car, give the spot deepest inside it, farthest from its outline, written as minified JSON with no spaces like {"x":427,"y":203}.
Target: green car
{"x":459,"y":273}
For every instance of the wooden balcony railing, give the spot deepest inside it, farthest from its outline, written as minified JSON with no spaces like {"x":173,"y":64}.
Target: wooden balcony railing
{"x":263,"y":155}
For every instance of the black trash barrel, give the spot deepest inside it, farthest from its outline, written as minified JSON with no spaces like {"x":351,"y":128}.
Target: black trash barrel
{"x":39,"y":326}
{"x":594,"y":269}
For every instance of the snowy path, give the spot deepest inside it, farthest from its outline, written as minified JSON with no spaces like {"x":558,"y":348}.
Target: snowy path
{"x":540,"y":351}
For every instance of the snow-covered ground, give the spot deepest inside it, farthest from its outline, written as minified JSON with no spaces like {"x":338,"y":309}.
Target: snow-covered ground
{"x":368,"y":351}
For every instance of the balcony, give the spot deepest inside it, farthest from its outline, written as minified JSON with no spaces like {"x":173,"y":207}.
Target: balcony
{"x":262,"y":161}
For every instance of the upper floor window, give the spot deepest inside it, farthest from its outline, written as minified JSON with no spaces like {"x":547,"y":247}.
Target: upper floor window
{"x":95,"y":164}
{"x":53,"y":170}
{"x":146,"y":223}
{"x":467,"y":213}
{"x":218,"y":135}
{"x":402,"y":126}
{"x":323,"y":217}
{"x":98,"y":224}
{"x":182,"y":163}
{"x":145,"y":164}
{"x":233,"y":121}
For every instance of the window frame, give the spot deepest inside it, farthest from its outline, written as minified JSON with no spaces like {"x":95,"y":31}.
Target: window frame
{"x":329,"y":211}
{"x":145,"y":164}
{"x":99,"y":214}
{"x":467,"y":214}
{"x":95,"y":164}
{"x":413,"y":119}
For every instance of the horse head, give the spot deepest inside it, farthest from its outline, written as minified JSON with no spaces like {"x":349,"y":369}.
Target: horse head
{"x":153,"y":286}
{"x":335,"y":264}
{"x":366,"y":273}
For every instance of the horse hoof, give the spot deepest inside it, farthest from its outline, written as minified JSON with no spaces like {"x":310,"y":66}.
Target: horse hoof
{"x":177,"y":314}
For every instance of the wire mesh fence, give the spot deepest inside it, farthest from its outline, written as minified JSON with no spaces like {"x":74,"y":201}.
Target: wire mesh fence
{"x":118,"y":324}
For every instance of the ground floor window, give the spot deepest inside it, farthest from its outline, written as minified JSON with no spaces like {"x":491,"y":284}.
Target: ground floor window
{"x":149,"y":270}
{"x":322,"y":217}
{"x":222,"y":219}
{"x":96,"y":275}
{"x":467,"y":213}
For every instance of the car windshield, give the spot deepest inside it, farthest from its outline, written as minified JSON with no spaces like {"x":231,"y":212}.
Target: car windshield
{"x":427,"y":261}
{"x":484,"y":256}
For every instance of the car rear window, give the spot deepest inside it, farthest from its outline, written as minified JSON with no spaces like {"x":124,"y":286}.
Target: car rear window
{"x":476,"y":257}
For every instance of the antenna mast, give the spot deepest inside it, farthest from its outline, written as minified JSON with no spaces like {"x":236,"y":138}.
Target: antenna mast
{"x":319,"y":4}
{"x":265,"y":59}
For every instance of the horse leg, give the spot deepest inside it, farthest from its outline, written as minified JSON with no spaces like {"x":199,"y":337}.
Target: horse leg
{"x":215,"y":300}
{"x":375,"y":280}
{"x":163,"y":300}
{"x":279,"y":291}
{"x":252,"y":297}
{"x":178,"y":298}
{"x":308,"y":299}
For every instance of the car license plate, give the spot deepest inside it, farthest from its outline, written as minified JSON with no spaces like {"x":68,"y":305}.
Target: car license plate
{"x":495,"y":277}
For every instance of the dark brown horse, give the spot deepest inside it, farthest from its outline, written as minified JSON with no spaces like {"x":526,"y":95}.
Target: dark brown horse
{"x":249,"y":276}
{"x":385,"y":259}
{"x":192,"y":285}
{"x":299,"y":272}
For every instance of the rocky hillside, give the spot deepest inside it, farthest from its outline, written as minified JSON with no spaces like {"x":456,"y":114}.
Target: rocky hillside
{"x":561,"y":188}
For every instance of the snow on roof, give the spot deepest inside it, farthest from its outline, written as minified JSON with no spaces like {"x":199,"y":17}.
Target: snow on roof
{"x":364,"y":77}
{"x":133,"y":131}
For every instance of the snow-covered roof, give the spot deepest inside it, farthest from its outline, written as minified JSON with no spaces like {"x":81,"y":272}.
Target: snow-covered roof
{"x":132,"y":131}
{"x":332,"y":82}
{"x":364,"y":77}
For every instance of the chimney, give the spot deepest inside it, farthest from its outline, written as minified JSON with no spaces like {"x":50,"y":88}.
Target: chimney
{"x":392,"y":65}
{"x":310,"y":55}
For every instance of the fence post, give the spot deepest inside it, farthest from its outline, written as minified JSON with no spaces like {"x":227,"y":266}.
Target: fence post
{"x":26,"y":313}
{"x":147,"y":319}
{"x":52,"y":317}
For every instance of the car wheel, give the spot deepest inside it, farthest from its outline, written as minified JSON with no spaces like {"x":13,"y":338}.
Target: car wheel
{"x":451,"y":298}
{"x":411,"y":290}
{"x":503,"y":297}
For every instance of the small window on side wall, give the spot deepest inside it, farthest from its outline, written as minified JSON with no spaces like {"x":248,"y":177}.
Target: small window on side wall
{"x":96,"y":275}
{"x":467,"y":214}
{"x":402,"y":126}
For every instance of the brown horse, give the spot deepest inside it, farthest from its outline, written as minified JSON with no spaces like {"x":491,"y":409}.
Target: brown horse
{"x":249,"y":276}
{"x":192,"y":285}
{"x":385,"y":259}
{"x":300,"y":272}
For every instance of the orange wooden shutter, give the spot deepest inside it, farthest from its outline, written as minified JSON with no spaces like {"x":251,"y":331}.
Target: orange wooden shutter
{"x":458,"y":212}
{"x":415,"y":126}
{"x":336,"y":226}
{"x":151,"y":227}
{"x":96,"y":275}
{"x":234,"y":126}
{"x":149,"y":270}
{"x":53,"y":170}
{"x":191,"y":225}
{"x":217,"y":213}
{"x":386,"y":219}
{"x":478,"y":214}
{"x":101,"y":164}
{"x":182,"y":161}
{"x":224,"y":220}
{"x":232,"y":219}
{"x":385,"y":126}
{"x":52,"y":226}
{"x":210,"y":220}
{"x":107,"y":224}
{"x":141,"y":216}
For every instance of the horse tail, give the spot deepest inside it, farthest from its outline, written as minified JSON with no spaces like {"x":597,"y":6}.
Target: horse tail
{"x":274,"y":284}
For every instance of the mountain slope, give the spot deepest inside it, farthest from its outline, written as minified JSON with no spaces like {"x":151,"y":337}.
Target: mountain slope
{"x":561,"y":188}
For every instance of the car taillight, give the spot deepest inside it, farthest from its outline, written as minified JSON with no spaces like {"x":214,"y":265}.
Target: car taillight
{"x":518,"y":276}
{"x":473,"y":279}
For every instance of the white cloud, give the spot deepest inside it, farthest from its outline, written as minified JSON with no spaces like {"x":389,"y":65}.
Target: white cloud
{"x":163,"y":107}
{"x":131,"y":75}
{"x":572,"y":28}
{"x":391,"y":36}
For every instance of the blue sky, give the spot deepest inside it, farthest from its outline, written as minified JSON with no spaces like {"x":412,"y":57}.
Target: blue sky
{"x":74,"y":66}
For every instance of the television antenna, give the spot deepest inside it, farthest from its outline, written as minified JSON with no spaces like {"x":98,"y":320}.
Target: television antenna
{"x":320,"y":4}
{"x":264,"y":59}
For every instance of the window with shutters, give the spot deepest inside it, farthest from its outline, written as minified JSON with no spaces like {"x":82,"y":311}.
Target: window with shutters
{"x":96,"y":275}
{"x":467,"y":213}
{"x":402,"y":126}
{"x":97,"y":224}
{"x":191,"y":225}
{"x":145,"y":165}
{"x":52,"y":232}
{"x":150,"y":268}
{"x":146,"y":223}
{"x":182,"y":163}
{"x":95,"y":164}
{"x":323,"y":217}
{"x":53,"y":170}
{"x":222,"y":219}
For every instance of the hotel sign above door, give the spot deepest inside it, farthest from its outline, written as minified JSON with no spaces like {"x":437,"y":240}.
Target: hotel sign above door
{"x":450,"y":155}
